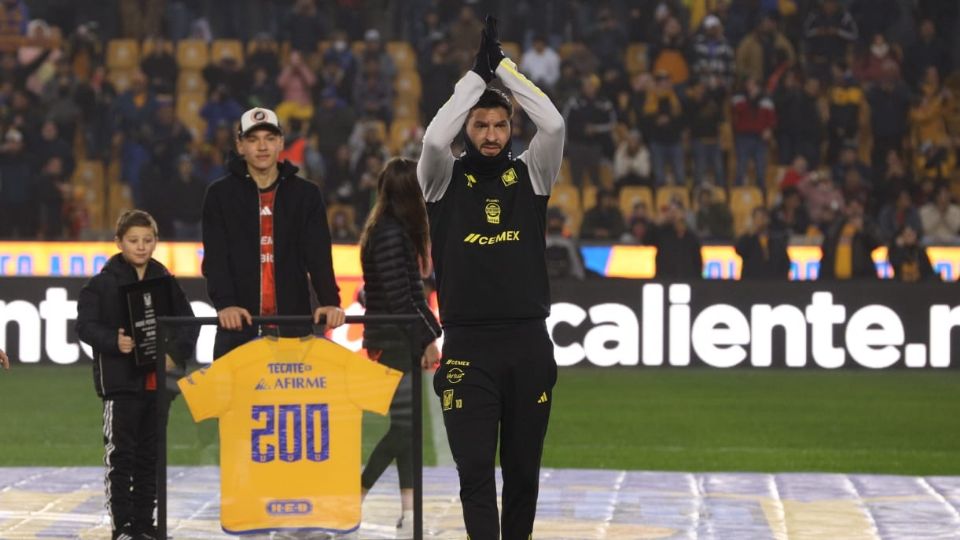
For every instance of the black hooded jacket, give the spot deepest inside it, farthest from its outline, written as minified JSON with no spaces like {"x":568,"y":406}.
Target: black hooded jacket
{"x":100,"y":315}
{"x":301,"y":242}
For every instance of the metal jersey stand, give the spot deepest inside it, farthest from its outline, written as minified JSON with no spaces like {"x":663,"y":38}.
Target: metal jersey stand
{"x":163,"y":402}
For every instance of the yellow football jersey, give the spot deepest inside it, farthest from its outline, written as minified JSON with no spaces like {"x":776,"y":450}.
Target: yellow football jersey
{"x":290,"y":413}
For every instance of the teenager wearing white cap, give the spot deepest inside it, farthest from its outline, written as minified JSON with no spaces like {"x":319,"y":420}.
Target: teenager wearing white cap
{"x":265,"y":237}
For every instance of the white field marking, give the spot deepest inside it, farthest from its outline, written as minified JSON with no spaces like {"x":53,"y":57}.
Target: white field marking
{"x":939,"y":497}
{"x":863,"y":507}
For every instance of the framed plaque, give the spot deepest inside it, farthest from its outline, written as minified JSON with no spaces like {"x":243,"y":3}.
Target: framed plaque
{"x":143,"y":302}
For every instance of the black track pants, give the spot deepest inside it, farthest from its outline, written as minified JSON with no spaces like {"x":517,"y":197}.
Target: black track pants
{"x":130,"y":456}
{"x":497,"y":379}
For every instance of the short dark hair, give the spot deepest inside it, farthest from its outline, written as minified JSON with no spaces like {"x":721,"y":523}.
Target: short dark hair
{"x":493,"y":98}
{"x":135,"y":218}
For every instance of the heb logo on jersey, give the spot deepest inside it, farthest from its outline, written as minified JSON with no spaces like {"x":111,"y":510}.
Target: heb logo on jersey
{"x":505,"y":236}
{"x":292,"y":383}
{"x":294,"y":507}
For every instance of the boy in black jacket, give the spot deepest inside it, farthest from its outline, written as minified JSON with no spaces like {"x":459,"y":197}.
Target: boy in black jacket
{"x":129,"y":402}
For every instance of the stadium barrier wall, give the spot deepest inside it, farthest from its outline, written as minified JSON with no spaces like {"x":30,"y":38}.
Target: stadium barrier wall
{"x":620,"y":322}
{"x":627,"y":261}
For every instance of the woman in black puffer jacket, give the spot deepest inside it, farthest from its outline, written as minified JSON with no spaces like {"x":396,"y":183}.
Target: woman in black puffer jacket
{"x":394,"y":252}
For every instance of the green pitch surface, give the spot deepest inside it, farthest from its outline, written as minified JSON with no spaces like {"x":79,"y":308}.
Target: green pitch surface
{"x":897,"y":422}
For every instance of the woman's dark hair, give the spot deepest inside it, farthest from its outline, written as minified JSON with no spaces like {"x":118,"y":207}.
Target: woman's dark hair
{"x":399,"y":196}
{"x":135,"y":218}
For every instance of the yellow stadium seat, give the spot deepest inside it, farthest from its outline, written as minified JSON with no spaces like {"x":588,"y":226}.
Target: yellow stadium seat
{"x":406,"y":107}
{"x":665,"y":194}
{"x":191,"y":81}
{"x":400,"y":132}
{"x":726,"y":137}
{"x":95,"y":210}
{"x":123,"y":54}
{"x":189,"y":105}
{"x":636,"y":58}
{"x":775,"y":173}
{"x":122,"y":78}
{"x":197,"y":128}
{"x":113,"y":171}
{"x":743,"y":199}
{"x":719,"y":194}
{"x":357,"y":48}
{"x":120,"y":200}
{"x":631,"y":195}
{"x":403,"y":55}
{"x":408,"y":84}
{"x":226,"y":48}
{"x":773,"y":197}
{"x":589,"y":197}
{"x":569,"y":49}
{"x":405,"y":111}
{"x":192,"y":54}
{"x":512,"y":50}
{"x":89,"y":173}
{"x":606,"y":175}
{"x":564,"y":177}
{"x":567,"y":198}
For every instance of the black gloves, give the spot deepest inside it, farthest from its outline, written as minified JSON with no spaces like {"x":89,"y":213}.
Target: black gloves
{"x":489,"y":54}
{"x":494,"y":52}
{"x":481,"y":65}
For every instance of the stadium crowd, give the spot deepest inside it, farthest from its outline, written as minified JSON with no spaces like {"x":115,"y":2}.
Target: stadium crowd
{"x":688,"y":121}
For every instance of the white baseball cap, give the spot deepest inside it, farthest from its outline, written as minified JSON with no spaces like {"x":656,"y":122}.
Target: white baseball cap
{"x":258,"y":117}
{"x":711,"y":21}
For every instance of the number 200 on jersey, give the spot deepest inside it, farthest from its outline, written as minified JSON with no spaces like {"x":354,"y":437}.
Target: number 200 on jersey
{"x":290,"y":430}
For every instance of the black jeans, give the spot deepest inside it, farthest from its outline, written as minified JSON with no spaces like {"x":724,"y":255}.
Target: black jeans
{"x":497,"y":379}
